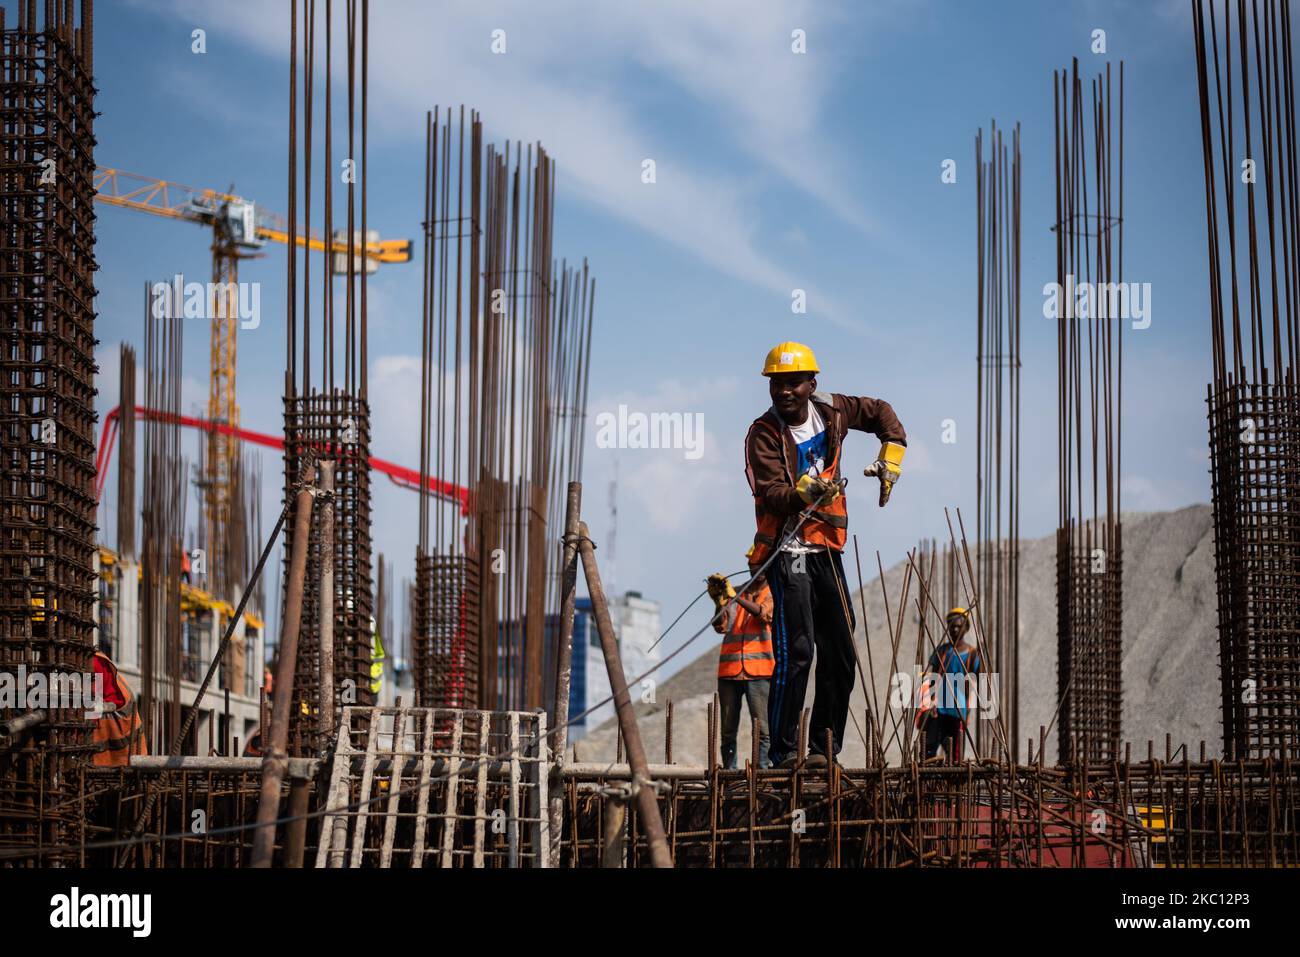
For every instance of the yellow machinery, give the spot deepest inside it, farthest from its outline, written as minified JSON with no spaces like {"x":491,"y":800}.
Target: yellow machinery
{"x":239,"y":229}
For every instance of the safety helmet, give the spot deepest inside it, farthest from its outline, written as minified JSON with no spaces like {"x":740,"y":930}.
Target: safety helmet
{"x":958,"y":611}
{"x":790,"y":357}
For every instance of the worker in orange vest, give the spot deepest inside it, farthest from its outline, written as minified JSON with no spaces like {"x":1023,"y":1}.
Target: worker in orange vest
{"x":119,"y":733}
{"x":745,"y":661}
{"x":793,"y":465}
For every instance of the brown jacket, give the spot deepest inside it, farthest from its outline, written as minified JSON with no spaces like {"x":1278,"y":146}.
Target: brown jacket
{"x":769,"y":463}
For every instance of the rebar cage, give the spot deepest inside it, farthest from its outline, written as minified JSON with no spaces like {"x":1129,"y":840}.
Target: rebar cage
{"x":989,"y":814}
{"x":1090,"y":632}
{"x":444,"y":641}
{"x":1255,"y":470}
{"x":47,"y":417}
{"x":334,"y":426}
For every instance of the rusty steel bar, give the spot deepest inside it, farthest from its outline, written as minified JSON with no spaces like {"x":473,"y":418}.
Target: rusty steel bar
{"x":325,"y":702}
{"x":1089,"y":256}
{"x":505,"y":331}
{"x":126,"y":543}
{"x":47,"y":415}
{"x":993,"y":814}
{"x":328,"y":416}
{"x":997,"y":421}
{"x":1251,"y":183}
{"x":295,"y":831}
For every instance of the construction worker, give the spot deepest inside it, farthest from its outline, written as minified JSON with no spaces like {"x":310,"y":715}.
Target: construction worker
{"x":376,"y":660}
{"x":745,"y":661}
{"x":792,"y":462}
{"x":119,"y":732}
{"x":943,"y":696}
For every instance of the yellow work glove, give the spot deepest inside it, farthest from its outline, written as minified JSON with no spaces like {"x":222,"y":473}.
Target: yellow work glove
{"x":811,"y":489}
{"x":720,"y":589}
{"x":887,"y":467}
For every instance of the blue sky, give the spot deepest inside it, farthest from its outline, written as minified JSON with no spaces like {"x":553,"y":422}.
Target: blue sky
{"x":774,"y":171}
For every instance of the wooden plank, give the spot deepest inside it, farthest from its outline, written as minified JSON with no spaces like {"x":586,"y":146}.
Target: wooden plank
{"x":422,"y":795}
{"x":541,"y":802}
{"x":480,"y":796}
{"x":337,"y":785}
{"x":367,"y":775}
{"x":512,"y":824}
{"x":453,"y":787}
{"x":394,"y":790}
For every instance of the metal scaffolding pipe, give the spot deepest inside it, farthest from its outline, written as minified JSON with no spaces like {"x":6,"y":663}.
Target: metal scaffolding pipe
{"x":305,"y":768}
{"x":642,"y":784}
{"x":275,"y":761}
{"x":325,"y":724}
{"x":564,"y":665}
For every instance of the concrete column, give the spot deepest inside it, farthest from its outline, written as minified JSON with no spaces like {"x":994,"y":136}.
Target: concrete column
{"x":128,"y":616}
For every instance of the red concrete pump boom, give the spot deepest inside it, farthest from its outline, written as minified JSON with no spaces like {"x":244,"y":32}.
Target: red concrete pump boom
{"x":400,"y":475}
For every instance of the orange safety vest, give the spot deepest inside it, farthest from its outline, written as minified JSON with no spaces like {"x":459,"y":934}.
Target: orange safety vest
{"x":827,"y":526}
{"x":747,"y":649}
{"x":119,"y":734}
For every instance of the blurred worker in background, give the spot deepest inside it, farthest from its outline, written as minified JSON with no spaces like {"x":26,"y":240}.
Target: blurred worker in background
{"x":944,"y":708}
{"x":119,"y":732}
{"x":745,"y":661}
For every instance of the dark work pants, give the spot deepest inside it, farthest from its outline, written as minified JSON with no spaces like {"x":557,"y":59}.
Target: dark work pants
{"x":946,"y":730}
{"x":812,"y":611}
{"x":730,"y":693}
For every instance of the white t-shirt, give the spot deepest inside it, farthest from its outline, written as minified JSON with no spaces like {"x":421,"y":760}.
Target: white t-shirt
{"x":811,"y":441}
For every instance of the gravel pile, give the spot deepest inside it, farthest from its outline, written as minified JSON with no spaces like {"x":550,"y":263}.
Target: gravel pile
{"x":1171,"y":681}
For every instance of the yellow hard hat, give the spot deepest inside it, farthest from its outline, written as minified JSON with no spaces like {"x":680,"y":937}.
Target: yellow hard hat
{"x":958,"y":611}
{"x":790,"y":357}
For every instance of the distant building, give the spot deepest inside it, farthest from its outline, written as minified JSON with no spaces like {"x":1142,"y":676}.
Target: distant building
{"x":203,"y":620}
{"x":636,"y":623}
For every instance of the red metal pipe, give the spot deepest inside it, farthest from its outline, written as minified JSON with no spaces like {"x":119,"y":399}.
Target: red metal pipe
{"x":399,"y":474}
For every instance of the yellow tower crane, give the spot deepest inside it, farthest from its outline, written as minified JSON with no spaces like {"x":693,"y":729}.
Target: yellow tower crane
{"x":239,"y":229}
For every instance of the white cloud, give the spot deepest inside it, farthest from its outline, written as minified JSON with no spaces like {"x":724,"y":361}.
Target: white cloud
{"x":394,"y":384}
{"x":669,"y":488}
{"x":585,"y":105}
